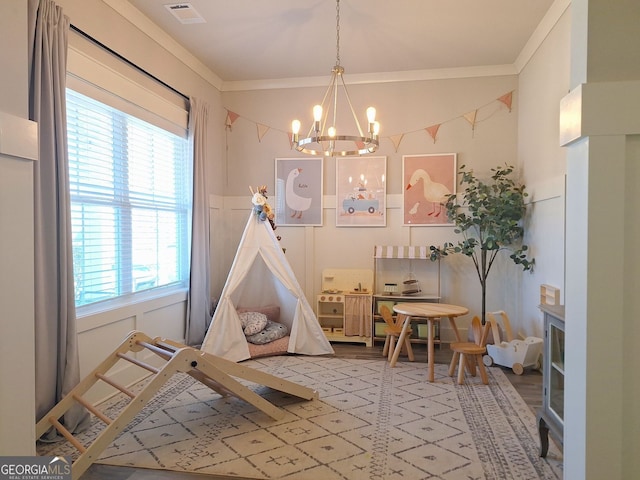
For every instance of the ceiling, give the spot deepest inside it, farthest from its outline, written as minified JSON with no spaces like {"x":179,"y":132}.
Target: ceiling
{"x":259,"y":40}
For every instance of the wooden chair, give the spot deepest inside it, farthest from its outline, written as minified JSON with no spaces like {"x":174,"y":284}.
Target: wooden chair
{"x":469,"y":354}
{"x":392,"y":332}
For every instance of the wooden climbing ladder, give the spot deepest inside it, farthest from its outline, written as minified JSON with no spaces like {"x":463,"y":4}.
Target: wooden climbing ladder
{"x":214,"y":372}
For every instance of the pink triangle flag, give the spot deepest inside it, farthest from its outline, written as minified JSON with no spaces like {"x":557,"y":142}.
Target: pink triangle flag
{"x":507,"y":98}
{"x":231,"y":117}
{"x":433,"y":131}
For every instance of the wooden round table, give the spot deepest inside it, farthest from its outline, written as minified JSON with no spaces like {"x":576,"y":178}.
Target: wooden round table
{"x":432,"y":312}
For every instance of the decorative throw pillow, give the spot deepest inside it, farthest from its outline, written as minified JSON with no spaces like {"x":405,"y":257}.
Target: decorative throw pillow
{"x":271,"y":332}
{"x":271,"y":311}
{"x":253,"y":322}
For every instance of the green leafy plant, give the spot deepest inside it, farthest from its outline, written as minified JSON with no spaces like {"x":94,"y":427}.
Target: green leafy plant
{"x":489,"y":218}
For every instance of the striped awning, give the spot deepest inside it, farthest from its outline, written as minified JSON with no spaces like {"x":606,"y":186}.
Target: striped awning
{"x":402,"y":251}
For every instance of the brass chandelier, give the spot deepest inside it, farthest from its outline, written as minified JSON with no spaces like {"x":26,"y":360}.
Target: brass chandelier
{"x":324,"y":138}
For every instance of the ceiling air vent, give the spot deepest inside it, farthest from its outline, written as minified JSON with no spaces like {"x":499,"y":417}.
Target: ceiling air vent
{"x":185,"y":13}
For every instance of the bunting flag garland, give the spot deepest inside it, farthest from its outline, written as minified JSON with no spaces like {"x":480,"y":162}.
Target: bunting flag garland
{"x":396,"y":139}
{"x":471,"y":118}
{"x":507,"y":99}
{"x":433,"y":131}
{"x":231,"y":117}
{"x":262,"y":130}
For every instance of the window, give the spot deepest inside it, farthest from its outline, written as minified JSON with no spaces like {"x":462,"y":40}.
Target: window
{"x":130,"y":185}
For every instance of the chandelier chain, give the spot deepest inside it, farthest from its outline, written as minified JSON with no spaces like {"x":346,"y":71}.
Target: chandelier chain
{"x":338,"y":32}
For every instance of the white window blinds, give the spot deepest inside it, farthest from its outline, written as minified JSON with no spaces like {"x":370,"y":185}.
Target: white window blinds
{"x":130,"y":185}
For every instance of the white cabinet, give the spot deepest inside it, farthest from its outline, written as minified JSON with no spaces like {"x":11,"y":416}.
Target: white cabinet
{"x":551,"y":415}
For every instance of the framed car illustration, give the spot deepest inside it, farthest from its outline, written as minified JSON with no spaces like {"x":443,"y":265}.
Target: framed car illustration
{"x":361,"y":189}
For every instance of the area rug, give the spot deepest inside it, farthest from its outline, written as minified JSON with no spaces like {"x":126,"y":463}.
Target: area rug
{"x":371,"y":422}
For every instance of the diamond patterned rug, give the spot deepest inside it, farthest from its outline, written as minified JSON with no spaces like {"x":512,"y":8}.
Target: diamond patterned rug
{"x":371,"y":422}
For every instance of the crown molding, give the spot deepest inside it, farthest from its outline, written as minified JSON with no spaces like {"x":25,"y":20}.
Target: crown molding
{"x":372,"y":78}
{"x":541,"y":32}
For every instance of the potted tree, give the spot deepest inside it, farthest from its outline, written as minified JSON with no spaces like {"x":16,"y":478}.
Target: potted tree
{"x":489,"y":218}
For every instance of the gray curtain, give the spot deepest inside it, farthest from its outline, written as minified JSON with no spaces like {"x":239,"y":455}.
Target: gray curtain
{"x":199,"y":297}
{"x":56,"y":342}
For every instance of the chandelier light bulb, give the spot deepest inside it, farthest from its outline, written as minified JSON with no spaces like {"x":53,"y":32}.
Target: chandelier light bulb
{"x":371,"y":114}
{"x":376,"y":128}
{"x":317,"y":113}
{"x":295,"y":127}
{"x":331,"y":131}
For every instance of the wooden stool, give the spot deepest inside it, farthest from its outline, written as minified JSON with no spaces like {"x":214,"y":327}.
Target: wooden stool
{"x":469,"y":354}
{"x":392,"y":332}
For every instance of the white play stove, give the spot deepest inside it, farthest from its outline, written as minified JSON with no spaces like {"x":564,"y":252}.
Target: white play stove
{"x":344,"y":305}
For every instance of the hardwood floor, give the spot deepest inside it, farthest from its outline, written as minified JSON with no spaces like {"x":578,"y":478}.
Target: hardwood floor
{"x":528,"y":385}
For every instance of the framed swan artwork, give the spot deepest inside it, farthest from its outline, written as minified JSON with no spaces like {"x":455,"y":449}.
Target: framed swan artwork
{"x":427,"y":181}
{"x":298,"y":199}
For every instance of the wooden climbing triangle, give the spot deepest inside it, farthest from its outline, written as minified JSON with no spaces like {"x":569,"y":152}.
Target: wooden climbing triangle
{"x":214,"y":372}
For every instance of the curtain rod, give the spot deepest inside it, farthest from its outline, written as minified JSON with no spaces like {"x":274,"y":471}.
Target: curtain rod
{"x":127,"y":61}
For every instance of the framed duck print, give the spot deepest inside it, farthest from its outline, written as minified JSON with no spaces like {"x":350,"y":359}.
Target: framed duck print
{"x":298,"y":191}
{"x":361,"y":188}
{"x":427,"y":181}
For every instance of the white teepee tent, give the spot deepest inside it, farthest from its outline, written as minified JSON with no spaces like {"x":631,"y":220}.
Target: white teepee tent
{"x":260,"y":276}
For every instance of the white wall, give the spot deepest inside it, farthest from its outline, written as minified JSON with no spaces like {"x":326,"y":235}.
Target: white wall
{"x":541,"y":85}
{"x":600,"y":130}
{"x":17,"y":362}
{"x":13,"y":58}
{"x":630,"y":326}
{"x":18,"y":150}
